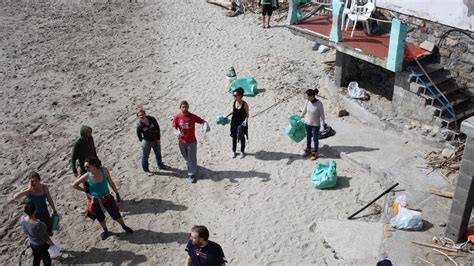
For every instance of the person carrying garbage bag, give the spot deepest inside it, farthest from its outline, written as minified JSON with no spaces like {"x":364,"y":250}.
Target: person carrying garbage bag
{"x":313,"y":115}
{"x":238,"y":124}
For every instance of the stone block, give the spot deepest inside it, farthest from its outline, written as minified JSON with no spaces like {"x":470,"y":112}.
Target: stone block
{"x":451,"y":41}
{"x":429,"y":46}
{"x":447,"y":152}
{"x":467,"y":167}
{"x":415,"y":88}
{"x":468,"y":153}
{"x":444,"y":52}
{"x":467,"y":127}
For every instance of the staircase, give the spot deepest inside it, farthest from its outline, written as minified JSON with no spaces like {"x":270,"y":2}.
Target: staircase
{"x":450,"y":105}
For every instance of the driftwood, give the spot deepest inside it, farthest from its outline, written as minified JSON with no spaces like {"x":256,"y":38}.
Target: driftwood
{"x":441,"y":193}
{"x":438,"y":247}
{"x":447,"y":256}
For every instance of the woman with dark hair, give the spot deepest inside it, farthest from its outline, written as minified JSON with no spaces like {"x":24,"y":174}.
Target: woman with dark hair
{"x":313,"y":114}
{"x":100,"y":198}
{"x":238,"y":124}
{"x":38,"y":194}
{"x":36,"y":232}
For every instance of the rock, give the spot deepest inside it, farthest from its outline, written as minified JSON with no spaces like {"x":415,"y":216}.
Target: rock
{"x":322,"y":49}
{"x":429,"y":46}
{"x":447,"y":153}
{"x":442,"y":225}
{"x":342,"y":113}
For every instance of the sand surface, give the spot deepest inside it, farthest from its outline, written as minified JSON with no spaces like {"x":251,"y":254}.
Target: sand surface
{"x":65,"y":65}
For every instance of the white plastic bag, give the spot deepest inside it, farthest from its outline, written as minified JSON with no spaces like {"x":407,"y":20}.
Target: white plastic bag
{"x":355,"y":92}
{"x":407,"y":219}
{"x":206,"y":128}
{"x":54,"y":251}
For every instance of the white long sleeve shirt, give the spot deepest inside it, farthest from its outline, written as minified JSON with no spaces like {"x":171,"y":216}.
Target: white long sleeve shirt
{"x":313,"y":113}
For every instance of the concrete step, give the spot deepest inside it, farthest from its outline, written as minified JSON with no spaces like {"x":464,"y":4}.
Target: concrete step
{"x":454,"y":99}
{"x":437,"y":78}
{"x":446,"y":88}
{"x":462,"y":111}
{"x":429,"y":68}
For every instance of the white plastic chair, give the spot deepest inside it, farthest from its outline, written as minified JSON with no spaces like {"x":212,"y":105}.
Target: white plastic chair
{"x":346,"y":11}
{"x":362,"y":14}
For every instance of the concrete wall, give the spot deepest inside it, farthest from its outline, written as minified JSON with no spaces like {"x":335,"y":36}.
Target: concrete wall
{"x":455,"y":13}
{"x":408,"y":104}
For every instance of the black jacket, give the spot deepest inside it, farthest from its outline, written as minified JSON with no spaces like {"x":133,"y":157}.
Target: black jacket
{"x":83,"y":148}
{"x":150,"y":132}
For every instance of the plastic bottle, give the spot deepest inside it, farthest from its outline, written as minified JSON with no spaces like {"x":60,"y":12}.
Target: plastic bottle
{"x":230,"y":77}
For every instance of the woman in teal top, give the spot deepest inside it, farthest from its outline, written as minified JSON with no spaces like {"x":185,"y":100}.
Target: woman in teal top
{"x":100,"y":198}
{"x":38,"y":194}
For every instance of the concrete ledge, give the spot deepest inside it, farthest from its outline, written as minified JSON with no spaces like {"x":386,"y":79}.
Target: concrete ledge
{"x":467,"y":127}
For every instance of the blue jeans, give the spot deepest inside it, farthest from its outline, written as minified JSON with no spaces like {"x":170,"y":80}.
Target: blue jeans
{"x":312,"y":134}
{"x":146,"y":148}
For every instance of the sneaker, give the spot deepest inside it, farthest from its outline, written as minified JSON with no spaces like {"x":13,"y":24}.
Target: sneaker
{"x":104,"y":235}
{"x":127,"y":229}
{"x":162,"y":166}
{"x":233,"y":155}
{"x":192,"y":178}
{"x":314,"y":157}
{"x":242,"y":155}
{"x":149,"y":173}
{"x":307,"y":153}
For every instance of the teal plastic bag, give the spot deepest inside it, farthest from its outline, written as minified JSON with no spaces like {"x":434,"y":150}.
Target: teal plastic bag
{"x":324,"y":175}
{"x":248,"y":84}
{"x":222,"y":120}
{"x":296,"y":131}
{"x":54,"y":222}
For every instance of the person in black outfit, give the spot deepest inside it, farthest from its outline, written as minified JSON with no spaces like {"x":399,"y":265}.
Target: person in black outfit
{"x":148,"y":132}
{"x":202,"y":251}
{"x":239,"y":122}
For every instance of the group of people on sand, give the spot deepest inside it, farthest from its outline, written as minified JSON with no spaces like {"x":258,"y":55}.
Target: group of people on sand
{"x":95,"y":180}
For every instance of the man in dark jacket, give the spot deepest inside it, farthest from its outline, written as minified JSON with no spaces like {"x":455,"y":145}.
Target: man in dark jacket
{"x":83,"y":148}
{"x":148,"y":132}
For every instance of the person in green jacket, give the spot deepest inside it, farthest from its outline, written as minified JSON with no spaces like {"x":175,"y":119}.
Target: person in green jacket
{"x":83,"y":148}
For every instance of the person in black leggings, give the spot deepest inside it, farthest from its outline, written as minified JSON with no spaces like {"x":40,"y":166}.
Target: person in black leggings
{"x":238,"y":124}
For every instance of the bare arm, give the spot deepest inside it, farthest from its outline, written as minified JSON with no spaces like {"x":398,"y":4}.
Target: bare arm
{"x":79,"y":181}
{"x":50,"y":199}
{"x":229,"y":114}
{"x":25,"y":191}
{"x":111,"y":182}
{"x":188,"y":262}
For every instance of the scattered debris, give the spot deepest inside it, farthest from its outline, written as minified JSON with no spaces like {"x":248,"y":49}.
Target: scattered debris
{"x":429,"y":46}
{"x":441,"y":193}
{"x":322,"y":49}
{"x":441,"y":252}
{"x":355,"y":92}
{"x":448,"y":166}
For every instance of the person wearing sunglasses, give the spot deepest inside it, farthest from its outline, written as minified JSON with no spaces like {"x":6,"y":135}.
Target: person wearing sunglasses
{"x":100,"y":198}
{"x":238,"y":123}
{"x":148,"y":132}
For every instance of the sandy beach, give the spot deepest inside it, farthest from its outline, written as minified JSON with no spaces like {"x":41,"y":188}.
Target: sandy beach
{"x":66,"y":65}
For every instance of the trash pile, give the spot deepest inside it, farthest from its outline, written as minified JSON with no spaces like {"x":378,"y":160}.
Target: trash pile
{"x":447,"y":161}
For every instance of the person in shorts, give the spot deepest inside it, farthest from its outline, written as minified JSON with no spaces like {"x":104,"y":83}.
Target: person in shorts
{"x":267,"y":10}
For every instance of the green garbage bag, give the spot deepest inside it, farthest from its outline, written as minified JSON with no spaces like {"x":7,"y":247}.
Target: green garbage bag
{"x":222,"y":120}
{"x":324,"y":175}
{"x":296,"y":131}
{"x":248,"y":84}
